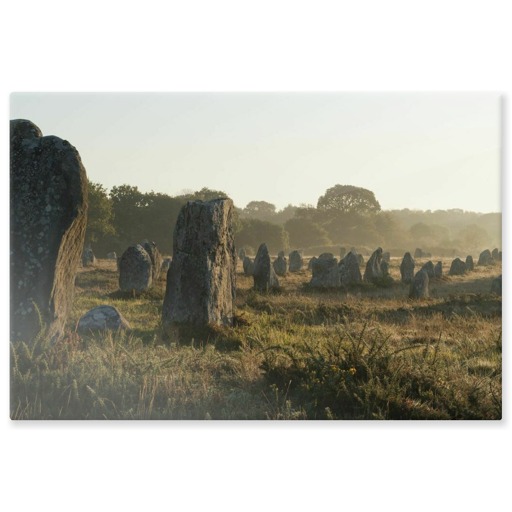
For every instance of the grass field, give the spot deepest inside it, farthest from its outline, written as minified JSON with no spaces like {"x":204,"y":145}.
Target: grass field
{"x":364,"y":353}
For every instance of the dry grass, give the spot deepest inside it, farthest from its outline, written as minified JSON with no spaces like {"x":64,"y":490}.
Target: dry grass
{"x":364,"y":353}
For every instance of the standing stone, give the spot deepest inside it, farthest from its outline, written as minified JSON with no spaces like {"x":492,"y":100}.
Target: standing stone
{"x":264,"y":276}
{"x":418,"y":253}
{"x":311,"y":261}
{"x":248,"y":265}
{"x":166,"y":263}
{"x":48,"y":215}
{"x":156,"y":258}
{"x":111,"y":256}
{"x":419,"y":286}
{"x":485,"y":258}
{"x":386,"y":256}
{"x":429,"y":269}
{"x":407,"y":268}
{"x":326,"y":256}
{"x":438,"y":270}
{"x":495,"y":254}
{"x":102,"y":318}
{"x":384,"y":266}
{"x":470,"y":264}
{"x":457,"y":268}
{"x":280,"y":254}
{"x":88,"y":258}
{"x":280,"y":265}
{"x":350,"y":273}
{"x":496,"y":286}
{"x":499,"y":256}
{"x":296,"y":261}
{"x":325,"y":273}
{"x":241,"y":253}
{"x":343,"y":252}
{"x":373,"y":270}
{"x":201,"y":282}
{"x":135,"y":270}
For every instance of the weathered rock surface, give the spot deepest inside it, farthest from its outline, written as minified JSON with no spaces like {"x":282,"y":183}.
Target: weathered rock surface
{"x":88,"y":258}
{"x":438,"y":270}
{"x":470,"y":264}
{"x":325,"y":273}
{"x":156,"y":258}
{"x":428,"y":267}
{"x":496,"y":286}
{"x":248,"y":265}
{"x":419,"y":286}
{"x":457,"y":268}
{"x":264,"y":276}
{"x":348,"y":267}
{"x":48,"y":212}
{"x":407,"y":268}
{"x":295,"y":261}
{"x":373,"y":271}
{"x":201,"y":281}
{"x":102,"y":318}
{"x":135,"y":270}
{"x":485,"y":258}
{"x":280,"y":265}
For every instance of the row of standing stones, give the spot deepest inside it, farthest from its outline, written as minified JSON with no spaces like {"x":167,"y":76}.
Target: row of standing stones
{"x":47,"y":238}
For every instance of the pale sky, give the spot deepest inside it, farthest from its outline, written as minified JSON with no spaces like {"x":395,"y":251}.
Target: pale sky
{"x":413,"y":150}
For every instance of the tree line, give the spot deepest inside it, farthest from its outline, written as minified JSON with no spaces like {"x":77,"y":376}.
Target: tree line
{"x":344,"y":216}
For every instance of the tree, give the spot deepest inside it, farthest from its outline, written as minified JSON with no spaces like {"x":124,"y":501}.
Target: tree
{"x":260,"y":210}
{"x":100,"y":228}
{"x":348,"y":199}
{"x":254,"y":232}
{"x":205,"y":194}
{"x":306,"y":233}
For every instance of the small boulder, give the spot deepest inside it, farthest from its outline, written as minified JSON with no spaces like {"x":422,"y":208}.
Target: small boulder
{"x":135,"y":270}
{"x":102,"y":318}
{"x":88,"y":258}
{"x":325,"y":273}
{"x":111,"y":256}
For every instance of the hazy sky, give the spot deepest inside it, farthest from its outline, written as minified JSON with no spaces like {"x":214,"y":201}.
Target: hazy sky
{"x":415,"y":150}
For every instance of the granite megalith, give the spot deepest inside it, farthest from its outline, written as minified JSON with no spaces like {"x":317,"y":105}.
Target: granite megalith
{"x":438,"y":270}
{"x":470,"y":264}
{"x":155,"y":256}
{"x":48,"y":217}
{"x":373,"y":271}
{"x":135,"y":270}
{"x":88,"y":258}
{"x":428,"y":267}
{"x":248,"y":266}
{"x":457,"y":268}
{"x":264,"y":276}
{"x":350,"y":273}
{"x":201,"y":281}
{"x":295,"y":261}
{"x":325,"y":273}
{"x":419,"y":285}
{"x":280,"y":265}
{"x":485,"y":258}
{"x":407,"y":268}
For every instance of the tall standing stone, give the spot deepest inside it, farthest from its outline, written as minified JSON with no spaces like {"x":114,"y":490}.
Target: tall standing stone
{"x":135,"y":270}
{"x":428,"y":267}
{"x":296,"y":261}
{"x":457,"y":268}
{"x":419,"y":286}
{"x":495,"y":254}
{"x":325,"y":273}
{"x":407,"y":268}
{"x":384,"y":265}
{"x":311,"y":261}
{"x":156,"y":258}
{"x":264,"y":276}
{"x":485,"y":258}
{"x":438,"y":270}
{"x":280,"y":265}
{"x":373,"y":269}
{"x":201,"y":281}
{"x":88,"y":258}
{"x":350,"y":274}
{"x":248,"y":266}
{"x":48,"y":217}
{"x":470,"y":264}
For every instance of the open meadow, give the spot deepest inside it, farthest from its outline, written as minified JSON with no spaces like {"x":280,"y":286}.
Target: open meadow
{"x":362,"y":353}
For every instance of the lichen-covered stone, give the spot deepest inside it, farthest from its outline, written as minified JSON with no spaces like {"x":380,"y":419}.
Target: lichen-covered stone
{"x":248,"y":266}
{"x":438,"y":270}
{"x":155,"y":256}
{"x":457,"y":268}
{"x":350,"y":273}
{"x":295,"y":261}
{"x":280,"y":265}
{"x":485,"y":258}
{"x":264,"y":276}
{"x":470,"y":264}
{"x":88,"y":258}
{"x":102,"y":318}
{"x":428,"y":267}
{"x":419,"y":286}
{"x":201,"y":282}
{"x":373,"y":271}
{"x":496,"y":286}
{"x":407,"y":268}
{"x":135,"y":270}
{"x":48,"y":211}
{"x":325,"y":273}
